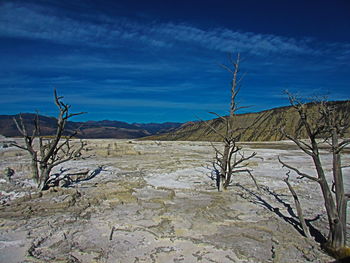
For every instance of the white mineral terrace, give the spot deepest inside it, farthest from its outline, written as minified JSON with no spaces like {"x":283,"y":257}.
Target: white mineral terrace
{"x":155,"y":202}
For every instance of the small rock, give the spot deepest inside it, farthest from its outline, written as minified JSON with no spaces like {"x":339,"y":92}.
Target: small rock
{"x":9,"y":172}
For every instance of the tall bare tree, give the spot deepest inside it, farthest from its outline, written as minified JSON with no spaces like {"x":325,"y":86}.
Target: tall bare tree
{"x":324,"y":124}
{"x":46,"y":153}
{"x":232,"y":159}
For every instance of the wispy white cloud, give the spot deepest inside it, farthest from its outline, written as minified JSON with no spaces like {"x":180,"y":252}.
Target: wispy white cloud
{"x":40,"y":23}
{"x":152,"y":64}
{"x":222,"y":39}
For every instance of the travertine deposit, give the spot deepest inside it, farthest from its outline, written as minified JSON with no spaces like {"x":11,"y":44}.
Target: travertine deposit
{"x":152,"y":201}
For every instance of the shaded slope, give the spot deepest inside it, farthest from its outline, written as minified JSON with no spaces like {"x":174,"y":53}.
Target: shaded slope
{"x":89,"y":129}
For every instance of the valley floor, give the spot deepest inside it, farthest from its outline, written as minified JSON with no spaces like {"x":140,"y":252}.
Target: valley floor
{"x":153,"y":201}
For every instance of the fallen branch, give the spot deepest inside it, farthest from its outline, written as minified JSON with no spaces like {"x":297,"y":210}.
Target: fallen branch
{"x":298,"y":207}
{"x":111,"y":234}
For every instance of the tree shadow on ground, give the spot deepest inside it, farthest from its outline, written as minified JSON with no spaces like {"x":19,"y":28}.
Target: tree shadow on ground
{"x":69,"y":179}
{"x":94,"y":173}
{"x":344,"y":260}
{"x":291,"y":218}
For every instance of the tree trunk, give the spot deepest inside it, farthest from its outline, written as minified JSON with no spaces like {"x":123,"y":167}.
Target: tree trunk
{"x":220,"y":182}
{"x":339,"y":184}
{"x":336,"y":236}
{"x":35,"y":170}
{"x":224,"y":169}
{"x":44,"y":176}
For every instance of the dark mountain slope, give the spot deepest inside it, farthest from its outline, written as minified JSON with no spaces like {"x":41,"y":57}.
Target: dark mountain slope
{"x":89,"y":129}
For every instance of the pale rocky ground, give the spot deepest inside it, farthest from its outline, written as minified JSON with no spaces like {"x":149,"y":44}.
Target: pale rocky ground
{"x":154,"y":202}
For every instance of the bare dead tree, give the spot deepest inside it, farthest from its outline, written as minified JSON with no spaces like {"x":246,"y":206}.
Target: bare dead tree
{"x":49,"y":152}
{"x":232,"y":159}
{"x":324,"y":124}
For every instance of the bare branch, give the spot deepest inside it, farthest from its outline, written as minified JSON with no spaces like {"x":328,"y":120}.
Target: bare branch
{"x":342,"y":145}
{"x":298,"y":206}
{"x":303,"y":146}
{"x":20,"y":126}
{"x":250,"y":174}
{"x":241,"y":78}
{"x":302,"y":175}
{"x":243,"y":159}
{"x":243,"y":107}
{"x":219,"y":116}
{"x":19,"y":146}
{"x":213,"y":129}
{"x":333,"y":188}
{"x":75,"y":114}
{"x":216,"y":149}
{"x":226,"y":68}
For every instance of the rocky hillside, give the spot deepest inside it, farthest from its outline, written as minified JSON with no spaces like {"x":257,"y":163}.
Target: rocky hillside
{"x":89,"y":129}
{"x":263,"y":126}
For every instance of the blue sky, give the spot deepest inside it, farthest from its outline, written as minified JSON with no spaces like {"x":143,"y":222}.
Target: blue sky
{"x":157,"y":61}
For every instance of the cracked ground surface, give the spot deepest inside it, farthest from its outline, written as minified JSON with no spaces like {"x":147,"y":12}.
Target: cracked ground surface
{"x":154,"y":202}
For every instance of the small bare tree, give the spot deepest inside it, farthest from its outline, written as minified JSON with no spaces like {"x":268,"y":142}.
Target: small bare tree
{"x":48,"y":152}
{"x":324,"y":124}
{"x":232,"y":159}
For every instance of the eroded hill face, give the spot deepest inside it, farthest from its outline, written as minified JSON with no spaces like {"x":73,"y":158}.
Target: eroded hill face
{"x":262,"y":126}
{"x":154,"y":202}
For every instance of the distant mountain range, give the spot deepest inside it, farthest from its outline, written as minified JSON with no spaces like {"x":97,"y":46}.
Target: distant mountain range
{"x":263,"y":126}
{"x":89,"y":129}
